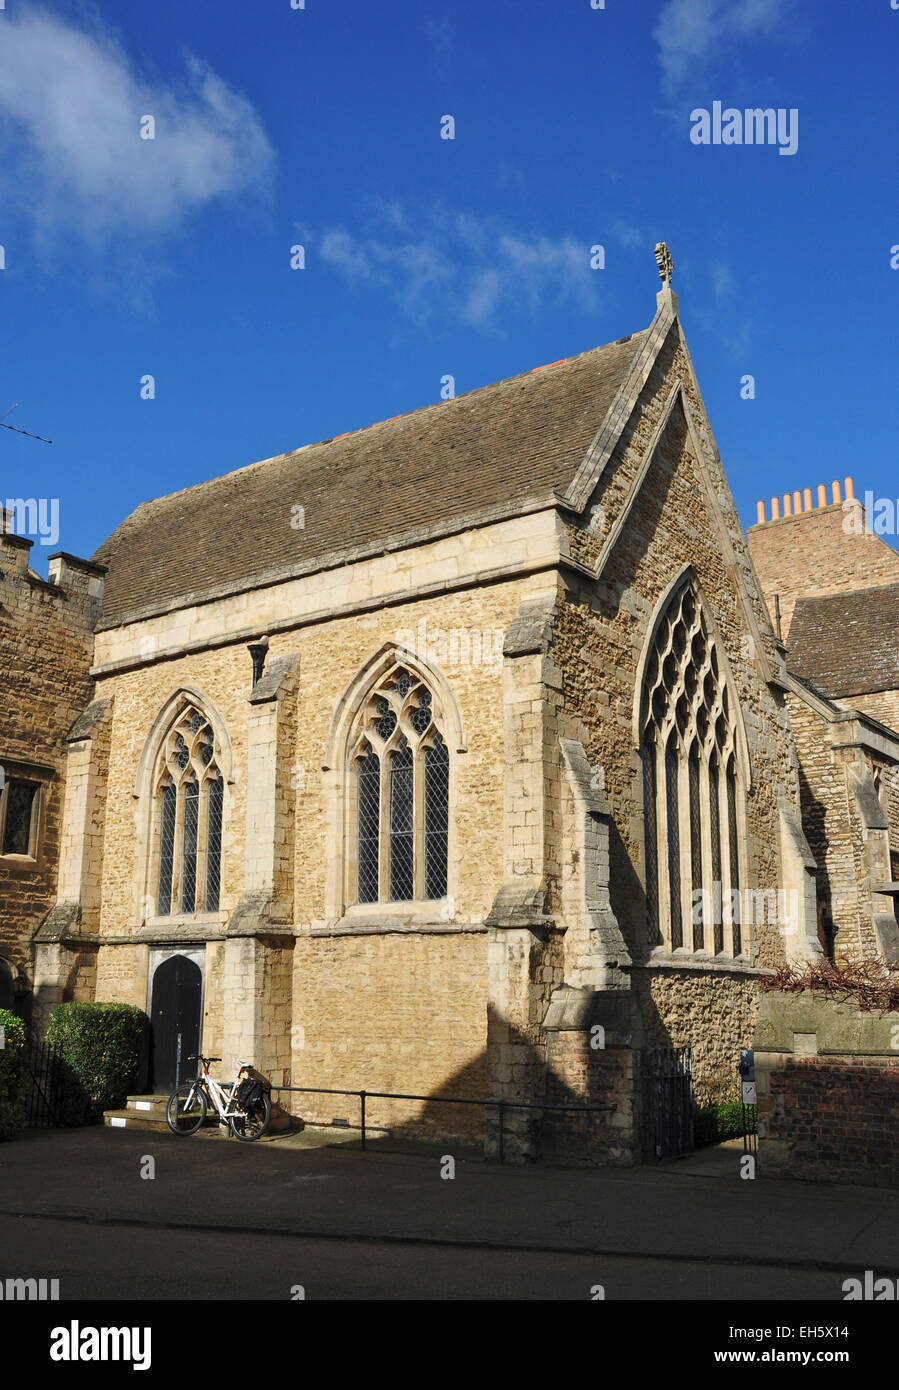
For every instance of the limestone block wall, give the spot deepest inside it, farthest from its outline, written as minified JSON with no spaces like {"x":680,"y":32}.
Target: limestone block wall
{"x":331,"y":655}
{"x":138,"y":696}
{"x":213,"y":1034}
{"x":393,"y":1011}
{"x":121,"y":976}
{"x":881,"y":704}
{"x":370,"y":992}
{"x":713,"y":1013}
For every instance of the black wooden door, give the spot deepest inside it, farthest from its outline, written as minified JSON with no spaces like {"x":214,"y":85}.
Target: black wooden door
{"x":174,"y":1014}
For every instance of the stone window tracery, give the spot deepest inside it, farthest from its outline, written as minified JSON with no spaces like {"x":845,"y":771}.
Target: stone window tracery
{"x":692,"y":786}
{"x":189,"y":806}
{"x":399,"y":804}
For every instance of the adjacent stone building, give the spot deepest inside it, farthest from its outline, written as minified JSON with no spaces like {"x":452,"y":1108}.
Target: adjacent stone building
{"x":834,"y":583}
{"x":455,"y":756}
{"x":46,"y":639}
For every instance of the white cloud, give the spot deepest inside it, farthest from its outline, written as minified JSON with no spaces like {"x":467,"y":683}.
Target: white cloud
{"x":440,"y":264}
{"x":627,"y":234}
{"x":71,"y":103}
{"x":693,"y":34}
{"x":722,"y":281}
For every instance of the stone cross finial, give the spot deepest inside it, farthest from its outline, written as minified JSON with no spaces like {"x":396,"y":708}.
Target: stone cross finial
{"x":664,"y":262}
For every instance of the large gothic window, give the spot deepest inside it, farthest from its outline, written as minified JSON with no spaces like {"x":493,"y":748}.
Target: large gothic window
{"x":399,"y":806}
{"x":188,"y":804}
{"x":691,"y":786}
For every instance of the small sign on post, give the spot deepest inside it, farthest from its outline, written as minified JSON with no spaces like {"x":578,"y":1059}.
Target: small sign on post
{"x":747,"y":1076}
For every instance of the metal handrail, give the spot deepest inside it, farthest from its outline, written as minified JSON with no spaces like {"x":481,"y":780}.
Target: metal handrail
{"x":502,"y":1105}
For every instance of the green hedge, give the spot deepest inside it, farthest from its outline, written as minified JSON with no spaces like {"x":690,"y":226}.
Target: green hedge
{"x":100,"y":1046}
{"x":13,"y":1076}
{"x":712,"y":1124}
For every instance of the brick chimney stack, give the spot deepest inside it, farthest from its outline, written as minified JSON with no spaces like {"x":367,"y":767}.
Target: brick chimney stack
{"x":802,"y":549}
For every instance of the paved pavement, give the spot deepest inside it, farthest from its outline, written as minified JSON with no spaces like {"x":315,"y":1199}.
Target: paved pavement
{"x":223,"y":1219}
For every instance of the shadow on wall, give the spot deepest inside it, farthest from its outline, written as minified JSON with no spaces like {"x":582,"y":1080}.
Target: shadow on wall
{"x":814,"y":819}
{"x":515,"y":1070}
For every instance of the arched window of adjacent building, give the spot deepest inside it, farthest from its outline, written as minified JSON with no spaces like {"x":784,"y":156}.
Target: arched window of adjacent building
{"x":399,"y":802}
{"x":6,"y":984}
{"x":692,"y":785}
{"x":188,"y":808}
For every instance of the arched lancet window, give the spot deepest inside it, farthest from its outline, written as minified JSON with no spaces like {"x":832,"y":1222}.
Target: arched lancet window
{"x":691,"y":786}
{"x":188,"y":807}
{"x":399,"y":804}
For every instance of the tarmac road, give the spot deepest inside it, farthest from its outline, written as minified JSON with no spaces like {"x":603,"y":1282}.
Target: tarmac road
{"x":223,"y":1220}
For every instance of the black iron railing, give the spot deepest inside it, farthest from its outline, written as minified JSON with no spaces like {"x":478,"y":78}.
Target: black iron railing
{"x":668,"y":1102}
{"x":500,"y":1105}
{"x":48,"y":1086}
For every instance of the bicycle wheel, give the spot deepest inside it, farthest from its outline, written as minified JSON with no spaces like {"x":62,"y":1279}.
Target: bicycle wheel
{"x":186,"y":1108}
{"x":250,"y":1127}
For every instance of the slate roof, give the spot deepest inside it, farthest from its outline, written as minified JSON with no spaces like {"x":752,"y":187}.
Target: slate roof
{"x":847,"y":644}
{"x":480,"y":455}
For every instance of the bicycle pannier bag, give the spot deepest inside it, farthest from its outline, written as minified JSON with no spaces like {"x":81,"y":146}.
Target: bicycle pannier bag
{"x":249,"y":1095}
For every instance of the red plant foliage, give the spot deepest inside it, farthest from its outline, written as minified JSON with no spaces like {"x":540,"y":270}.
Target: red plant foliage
{"x":871,"y":984}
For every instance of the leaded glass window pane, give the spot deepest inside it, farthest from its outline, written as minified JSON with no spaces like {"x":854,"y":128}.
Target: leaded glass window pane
{"x":686,"y":710}
{"x":652,"y":846}
{"x":166,"y":850}
{"x":715,"y":818}
{"x":436,"y":818}
{"x":189,"y":857}
{"x":671,"y":795}
{"x":369,"y":798}
{"x":20,"y":803}
{"x":698,"y":906}
{"x":398,"y":749}
{"x":191,"y":796}
{"x":734,"y":853}
{"x":420,"y":718}
{"x":216,"y":795}
{"x":402,"y":824}
{"x":182,"y":753}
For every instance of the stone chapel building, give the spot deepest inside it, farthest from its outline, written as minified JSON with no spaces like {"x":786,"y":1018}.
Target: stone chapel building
{"x":460,"y":755}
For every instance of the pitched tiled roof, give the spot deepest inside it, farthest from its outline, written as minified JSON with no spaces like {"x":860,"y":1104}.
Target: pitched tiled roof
{"x":847,"y":644}
{"x":482,"y":454}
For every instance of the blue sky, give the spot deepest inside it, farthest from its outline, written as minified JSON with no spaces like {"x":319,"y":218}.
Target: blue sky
{"x":425,"y":257}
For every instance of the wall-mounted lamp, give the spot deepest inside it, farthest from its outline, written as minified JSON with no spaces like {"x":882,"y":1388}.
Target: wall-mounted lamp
{"x":258,"y":652}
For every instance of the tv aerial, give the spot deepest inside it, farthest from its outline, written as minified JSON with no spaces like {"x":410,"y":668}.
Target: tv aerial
{"x":18,"y":431}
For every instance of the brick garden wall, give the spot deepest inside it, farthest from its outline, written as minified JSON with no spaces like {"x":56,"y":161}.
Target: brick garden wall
{"x":828,"y":1091}
{"x":839,"y":1115}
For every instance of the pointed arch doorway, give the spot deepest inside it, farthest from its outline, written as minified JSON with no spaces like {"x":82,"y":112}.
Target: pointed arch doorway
{"x":176,"y":1005}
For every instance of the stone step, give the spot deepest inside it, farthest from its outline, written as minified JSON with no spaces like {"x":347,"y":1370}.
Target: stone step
{"x":150,"y":1105}
{"x":138,"y":1119}
{"x":146,"y":1112}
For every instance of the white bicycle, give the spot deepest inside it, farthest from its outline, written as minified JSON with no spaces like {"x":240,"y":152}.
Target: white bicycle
{"x":188,"y":1106}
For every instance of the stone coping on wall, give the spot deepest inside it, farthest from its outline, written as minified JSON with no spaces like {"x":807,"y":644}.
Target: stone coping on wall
{"x":380,"y":926}
{"x":822,"y":1026}
{"x":729,"y":965}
